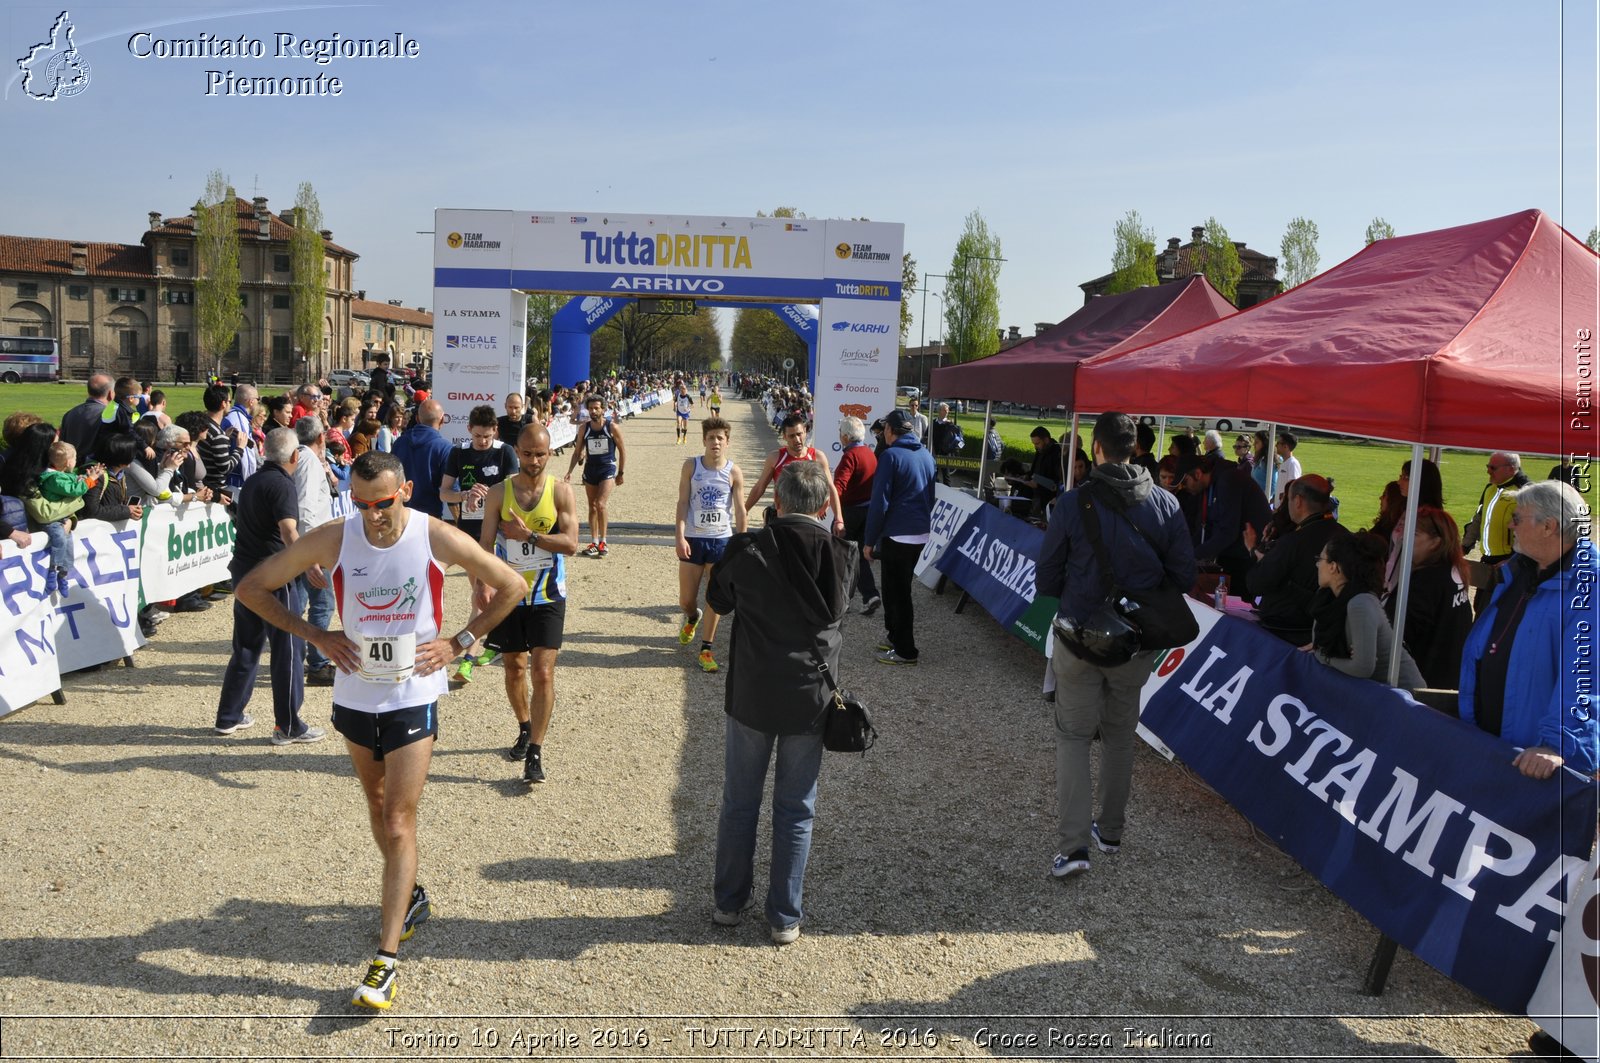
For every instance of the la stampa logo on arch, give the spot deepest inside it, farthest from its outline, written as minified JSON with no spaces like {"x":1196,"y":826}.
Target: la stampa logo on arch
{"x":860,"y":326}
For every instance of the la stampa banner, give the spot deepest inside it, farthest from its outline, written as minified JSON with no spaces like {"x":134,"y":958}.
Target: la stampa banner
{"x":1416,"y":819}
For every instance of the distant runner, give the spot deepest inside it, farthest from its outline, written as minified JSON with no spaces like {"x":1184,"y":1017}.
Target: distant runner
{"x":473,"y":468}
{"x":683,"y":406}
{"x":600,"y":448}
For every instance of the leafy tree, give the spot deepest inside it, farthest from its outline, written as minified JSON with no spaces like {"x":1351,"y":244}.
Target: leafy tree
{"x":1594,"y":239}
{"x":631,"y":340}
{"x":1378,"y":230}
{"x":1133,"y":260}
{"x":972,"y":293}
{"x":217,"y":302}
{"x":761,"y":341}
{"x":1299,"y":257}
{"x":542,"y":307}
{"x":908,"y":285}
{"x":1218,"y":259}
{"x":308,"y":281}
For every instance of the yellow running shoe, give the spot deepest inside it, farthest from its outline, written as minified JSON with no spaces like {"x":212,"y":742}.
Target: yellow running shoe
{"x":377,"y":989}
{"x":708,"y":663}
{"x":690,"y":626}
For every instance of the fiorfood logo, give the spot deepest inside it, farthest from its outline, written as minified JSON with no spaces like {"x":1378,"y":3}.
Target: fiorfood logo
{"x":54,"y":69}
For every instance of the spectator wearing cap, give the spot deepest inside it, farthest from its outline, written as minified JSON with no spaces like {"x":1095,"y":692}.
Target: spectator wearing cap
{"x":898,"y":520}
{"x":1284,"y":576}
{"x":1225,"y":501}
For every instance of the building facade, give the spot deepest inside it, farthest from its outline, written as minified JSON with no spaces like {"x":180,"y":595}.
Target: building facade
{"x":1258,"y":283}
{"x":128,"y":309}
{"x":405,"y":335}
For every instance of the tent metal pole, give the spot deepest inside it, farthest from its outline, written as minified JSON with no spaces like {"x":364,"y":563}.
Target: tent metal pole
{"x":1272,"y":461}
{"x":1069,"y":460}
{"x":1161,"y":439}
{"x":983,"y":447}
{"x":1408,"y":547}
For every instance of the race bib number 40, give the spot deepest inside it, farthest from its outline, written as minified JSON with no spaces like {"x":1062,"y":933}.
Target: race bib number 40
{"x":387,"y":658}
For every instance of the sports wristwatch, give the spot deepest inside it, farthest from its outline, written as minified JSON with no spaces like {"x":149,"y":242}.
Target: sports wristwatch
{"x":463,"y":641}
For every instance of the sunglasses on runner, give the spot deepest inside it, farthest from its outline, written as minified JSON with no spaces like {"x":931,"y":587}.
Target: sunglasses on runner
{"x":377,"y":503}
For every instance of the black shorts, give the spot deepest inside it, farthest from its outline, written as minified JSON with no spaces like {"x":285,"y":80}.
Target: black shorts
{"x":529,"y":627}
{"x":385,"y":732}
{"x":474,"y":528}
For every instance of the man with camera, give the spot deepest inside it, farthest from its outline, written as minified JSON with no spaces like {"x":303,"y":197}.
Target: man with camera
{"x":1099,"y":667}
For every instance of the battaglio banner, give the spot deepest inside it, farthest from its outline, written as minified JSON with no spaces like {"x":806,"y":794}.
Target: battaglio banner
{"x":1416,"y":819}
{"x":185,"y":548}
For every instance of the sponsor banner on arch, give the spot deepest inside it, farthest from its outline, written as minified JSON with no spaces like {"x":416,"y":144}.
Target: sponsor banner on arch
{"x":1415,"y":819}
{"x":858,"y":340}
{"x":478,"y":352}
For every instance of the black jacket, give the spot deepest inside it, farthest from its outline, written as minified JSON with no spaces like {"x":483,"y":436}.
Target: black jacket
{"x":1285,"y":579}
{"x":787,"y":586}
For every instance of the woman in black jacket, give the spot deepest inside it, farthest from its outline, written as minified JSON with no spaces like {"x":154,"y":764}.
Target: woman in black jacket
{"x":1438,"y":613}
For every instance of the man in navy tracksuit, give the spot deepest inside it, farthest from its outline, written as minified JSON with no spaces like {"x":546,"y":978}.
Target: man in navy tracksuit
{"x":898,"y":519}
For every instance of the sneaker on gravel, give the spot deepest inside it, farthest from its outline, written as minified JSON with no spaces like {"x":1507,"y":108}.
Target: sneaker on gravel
{"x":723,"y":918}
{"x":602,"y":548}
{"x":592,"y":550}
{"x":690,"y":626}
{"x":377,"y":989}
{"x":883,"y":647}
{"x":785,"y":935}
{"x":871,"y":605}
{"x":708,"y":663}
{"x":464,"y":671}
{"x":306,"y":737}
{"x":519,"y":748}
{"x":1105,"y":845}
{"x":891,"y":657}
{"x":245,"y":722}
{"x":1074,"y":863}
{"x":419,"y":912}
{"x":533,"y":767}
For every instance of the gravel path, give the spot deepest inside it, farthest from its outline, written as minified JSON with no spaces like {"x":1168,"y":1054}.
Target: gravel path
{"x":218,"y":897}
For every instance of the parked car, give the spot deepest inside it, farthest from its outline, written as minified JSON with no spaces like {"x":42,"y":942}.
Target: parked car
{"x":351,"y":378}
{"x":909,"y":392}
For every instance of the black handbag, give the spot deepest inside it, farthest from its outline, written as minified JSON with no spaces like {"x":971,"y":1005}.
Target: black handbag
{"x":1160,"y":615}
{"x":848,"y":725}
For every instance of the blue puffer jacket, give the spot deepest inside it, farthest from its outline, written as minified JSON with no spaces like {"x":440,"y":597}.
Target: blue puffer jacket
{"x":1551,"y":697}
{"x":902,"y":492}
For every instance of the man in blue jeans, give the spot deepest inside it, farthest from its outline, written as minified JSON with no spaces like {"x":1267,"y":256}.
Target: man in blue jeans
{"x":313,"y":484}
{"x":786,"y":588}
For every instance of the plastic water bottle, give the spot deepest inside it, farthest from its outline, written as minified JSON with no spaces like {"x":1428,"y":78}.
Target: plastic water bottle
{"x":1220,"y":596}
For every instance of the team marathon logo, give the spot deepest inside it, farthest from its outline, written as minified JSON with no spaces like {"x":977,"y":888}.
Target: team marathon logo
{"x":390,"y":603}
{"x":861,"y":253}
{"x":471,"y":241}
{"x":55,"y":69}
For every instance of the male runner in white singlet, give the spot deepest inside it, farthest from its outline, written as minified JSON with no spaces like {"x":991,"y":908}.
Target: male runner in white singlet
{"x":710,"y":511}
{"x":387,"y":564}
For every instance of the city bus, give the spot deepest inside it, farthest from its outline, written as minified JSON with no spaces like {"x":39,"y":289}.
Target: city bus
{"x":29,"y":358}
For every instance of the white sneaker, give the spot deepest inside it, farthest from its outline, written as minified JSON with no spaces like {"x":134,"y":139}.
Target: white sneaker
{"x":785,"y":935}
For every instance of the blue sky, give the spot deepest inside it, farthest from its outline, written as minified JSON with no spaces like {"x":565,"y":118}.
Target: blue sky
{"x":1051,"y":119}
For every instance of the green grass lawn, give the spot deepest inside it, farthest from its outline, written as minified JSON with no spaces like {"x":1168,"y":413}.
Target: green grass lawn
{"x":50,"y":401}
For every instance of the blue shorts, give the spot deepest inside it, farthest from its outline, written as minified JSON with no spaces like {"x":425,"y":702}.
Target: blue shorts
{"x":598,"y":473}
{"x":683,"y":416}
{"x":385,"y":732}
{"x":706,"y":551}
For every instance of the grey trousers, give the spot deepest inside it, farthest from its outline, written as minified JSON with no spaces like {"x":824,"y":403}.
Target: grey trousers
{"x":1091,"y":698}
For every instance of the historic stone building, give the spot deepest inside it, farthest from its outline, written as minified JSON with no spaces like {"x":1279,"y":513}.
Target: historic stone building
{"x":1258,"y":283}
{"x":128,"y":309}
{"x":404,"y":334}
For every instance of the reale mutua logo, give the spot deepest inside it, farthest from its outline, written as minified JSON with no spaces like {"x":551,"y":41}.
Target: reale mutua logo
{"x":54,"y":69}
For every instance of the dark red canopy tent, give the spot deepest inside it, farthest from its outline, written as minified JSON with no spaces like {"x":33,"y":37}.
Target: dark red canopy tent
{"x":1478,"y":336}
{"x":1039,"y":371}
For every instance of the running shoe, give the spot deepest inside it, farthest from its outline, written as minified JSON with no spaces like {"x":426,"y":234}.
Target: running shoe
{"x":871,"y":605}
{"x":377,"y":989}
{"x":487,"y":657}
{"x":602,"y":548}
{"x":708,"y":663}
{"x":892,"y":657}
{"x":464,"y":670}
{"x":884,"y":647}
{"x":306,"y":737}
{"x":690,"y":626}
{"x":245,"y":722}
{"x":1105,"y":845}
{"x":419,"y":912}
{"x":519,"y":748}
{"x":1074,"y":863}
{"x":592,"y":550}
{"x":785,"y":935}
{"x":533,"y":767}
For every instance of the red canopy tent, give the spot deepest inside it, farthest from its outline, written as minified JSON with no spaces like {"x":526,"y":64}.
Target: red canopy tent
{"x":1478,"y":336}
{"x":1039,"y":371}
